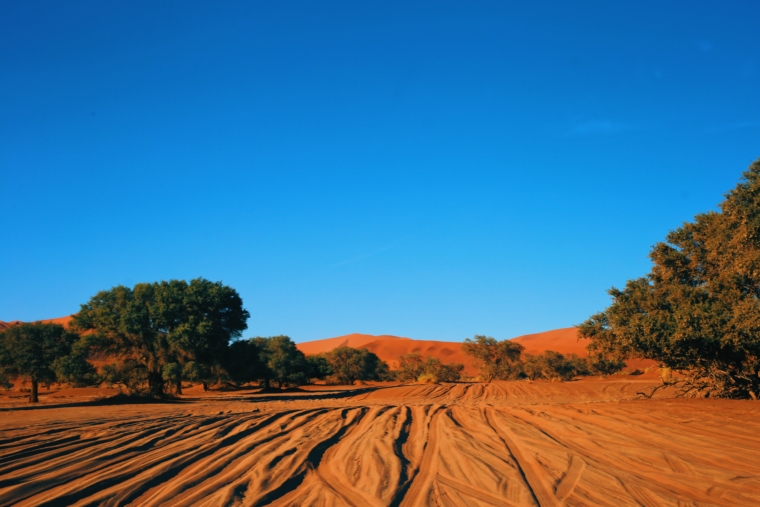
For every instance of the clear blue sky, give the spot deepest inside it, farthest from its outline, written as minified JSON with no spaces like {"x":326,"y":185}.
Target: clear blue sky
{"x":432,"y":170}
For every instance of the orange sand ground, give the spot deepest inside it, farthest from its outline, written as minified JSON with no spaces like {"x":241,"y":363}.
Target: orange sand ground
{"x":586,"y":443}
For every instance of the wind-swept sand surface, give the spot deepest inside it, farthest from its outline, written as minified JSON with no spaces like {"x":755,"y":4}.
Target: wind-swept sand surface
{"x":505,"y":443}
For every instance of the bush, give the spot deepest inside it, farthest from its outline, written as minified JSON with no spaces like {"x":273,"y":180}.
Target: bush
{"x":411,"y":367}
{"x":496,"y":360}
{"x":600,"y":365}
{"x":130,"y":374}
{"x":554,"y":366}
{"x":349,"y":365}
{"x":427,"y":378}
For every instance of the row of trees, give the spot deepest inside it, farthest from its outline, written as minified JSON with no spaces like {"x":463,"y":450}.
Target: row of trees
{"x":698,"y":310}
{"x":505,"y":360}
{"x":161,"y":334}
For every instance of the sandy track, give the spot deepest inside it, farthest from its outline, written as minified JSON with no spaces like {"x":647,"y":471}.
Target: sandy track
{"x":453,"y":445}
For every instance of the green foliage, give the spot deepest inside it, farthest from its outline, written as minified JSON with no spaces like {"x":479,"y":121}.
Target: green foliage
{"x":349,"y":365}
{"x":319,"y":367}
{"x":496,"y":360}
{"x":554,"y":366}
{"x":698,"y":309}
{"x":164,"y":322}
{"x":31,"y":350}
{"x":599,"y":364}
{"x":242,"y":361}
{"x":5,"y":381}
{"x":412,"y":366}
{"x":75,"y":370}
{"x":172,"y":372}
{"x":128,"y":373}
{"x":282,"y":362}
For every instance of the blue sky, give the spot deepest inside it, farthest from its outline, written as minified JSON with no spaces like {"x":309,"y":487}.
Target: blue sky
{"x":432,"y":170}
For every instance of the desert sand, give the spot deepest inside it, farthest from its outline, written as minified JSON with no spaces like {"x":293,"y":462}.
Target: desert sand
{"x":587,"y":442}
{"x":583,"y":443}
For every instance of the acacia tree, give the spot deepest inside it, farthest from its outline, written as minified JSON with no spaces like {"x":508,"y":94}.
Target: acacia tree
{"x":496,"y":360}
{"x":34,"y":350}
{"x":155,"y":324}
{"x":281,"y":361}
{"x":199,"y":319}
{"x":349,"y":365}
{"x":698,"y":309}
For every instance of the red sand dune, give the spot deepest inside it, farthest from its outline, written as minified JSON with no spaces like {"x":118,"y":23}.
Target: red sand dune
{"x":448,"y":352}
{"x":64,"y":321}
{"x":565,"y":341}
{"x":355,"y":340}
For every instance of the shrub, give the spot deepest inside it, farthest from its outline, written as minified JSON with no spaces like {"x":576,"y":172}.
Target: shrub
{"x":427,"y":378}
{"x":411,"y":366}
{"x":554,"y":366}
{"x":496,"y":360}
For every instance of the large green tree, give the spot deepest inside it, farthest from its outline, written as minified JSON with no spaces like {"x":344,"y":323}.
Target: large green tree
{"x":698,"y":309}
{"x":36,"y":350}
{"x":496,"y":360}
{"x":155,"y":324}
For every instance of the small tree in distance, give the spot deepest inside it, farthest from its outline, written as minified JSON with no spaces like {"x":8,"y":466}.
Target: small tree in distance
{"x":349,"y":365}
{"x":412,"y":367}
{"x":496,"y":360}
{"x":554,"y":366}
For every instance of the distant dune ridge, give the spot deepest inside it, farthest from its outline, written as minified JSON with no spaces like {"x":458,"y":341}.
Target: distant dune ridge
{"x":355,"y":340}
{"x":64,"y":321}
{"x":390,"y":348}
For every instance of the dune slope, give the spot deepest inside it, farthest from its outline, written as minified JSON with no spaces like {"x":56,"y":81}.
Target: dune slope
{"x":355,"y":340}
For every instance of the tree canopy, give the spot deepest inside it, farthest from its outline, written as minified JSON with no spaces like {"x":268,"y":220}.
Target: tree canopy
{"x":37,"y":350}
{"x":281,"y":361}
{"x":497,"y":360}
{"x":155,"y":324}
{"x":349,"y":365}
{"x":698,"y":309}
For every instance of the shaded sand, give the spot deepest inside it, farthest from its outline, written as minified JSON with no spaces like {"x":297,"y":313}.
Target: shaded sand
{"x":500,"y":444}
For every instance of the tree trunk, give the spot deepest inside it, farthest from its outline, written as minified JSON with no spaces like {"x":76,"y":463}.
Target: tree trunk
{"x":33,"y":398}
{"x":179,"y":384}
{"x":155,"y":383}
